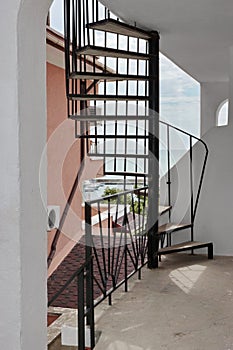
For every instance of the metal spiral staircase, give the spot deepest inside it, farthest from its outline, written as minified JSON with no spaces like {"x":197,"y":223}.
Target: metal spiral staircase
{"x":116,"y":119}
{"x":127,"y":111}
{"x":128,"y":104}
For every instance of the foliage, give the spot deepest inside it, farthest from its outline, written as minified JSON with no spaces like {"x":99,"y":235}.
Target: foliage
{"x":137,"y":204}
{"x":109,"y":191}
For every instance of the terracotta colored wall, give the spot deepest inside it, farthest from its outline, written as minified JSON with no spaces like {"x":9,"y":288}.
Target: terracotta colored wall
{"x":63,"y":159}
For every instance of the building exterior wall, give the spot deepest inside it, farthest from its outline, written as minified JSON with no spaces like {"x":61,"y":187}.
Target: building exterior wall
{"x":214,"y":220}
{"x":212,"y":94}
{"x":63,"y":153}
{"x":23,"y":271}
{"x":10,"y":274}
{"x":63,"y":164}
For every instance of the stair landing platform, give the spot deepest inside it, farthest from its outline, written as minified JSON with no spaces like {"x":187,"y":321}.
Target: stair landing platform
{"x":187,"y":304}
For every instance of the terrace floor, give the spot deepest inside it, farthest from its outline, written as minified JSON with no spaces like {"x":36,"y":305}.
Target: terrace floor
{"x":186,"y":304}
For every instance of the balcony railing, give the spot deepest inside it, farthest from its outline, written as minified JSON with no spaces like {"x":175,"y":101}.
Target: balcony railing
{"x":116,"y":236}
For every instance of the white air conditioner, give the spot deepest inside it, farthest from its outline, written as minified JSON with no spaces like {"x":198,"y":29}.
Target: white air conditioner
{"x":53,"y":212}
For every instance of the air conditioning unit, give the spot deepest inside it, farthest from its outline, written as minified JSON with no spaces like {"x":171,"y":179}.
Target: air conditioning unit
{"x":53,"y":212}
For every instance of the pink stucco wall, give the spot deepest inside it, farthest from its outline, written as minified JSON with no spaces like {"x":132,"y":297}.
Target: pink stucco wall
{"x":63,"y":159}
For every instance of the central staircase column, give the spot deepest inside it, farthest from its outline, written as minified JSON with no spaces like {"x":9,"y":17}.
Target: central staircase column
{"x":153,"y":178}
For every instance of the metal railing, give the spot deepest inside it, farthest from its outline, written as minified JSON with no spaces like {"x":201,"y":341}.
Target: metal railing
{"x":83,"y":278}
{"x":191,"y":140}
{"x":116,"y":236}
{"x":116,"y":248}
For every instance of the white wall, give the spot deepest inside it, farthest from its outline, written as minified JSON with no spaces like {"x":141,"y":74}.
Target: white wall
{"x":22,"y":216}
{"x":212,"y":94}
{"x":215,"y":217}
{"x":9,"y":184}
{"x":214,"y":220}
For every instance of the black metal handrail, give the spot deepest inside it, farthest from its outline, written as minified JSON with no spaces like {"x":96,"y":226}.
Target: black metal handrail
{"x":194,"y":201}
{"x":112,"y":259}
{"x":85,"y":312}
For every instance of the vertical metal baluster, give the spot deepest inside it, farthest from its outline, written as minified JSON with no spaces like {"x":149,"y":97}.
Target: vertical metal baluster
{"x":109,"y":246}
{"x":87,"y":22}
{"x":114,"y":242}
{"x":109,"y":237}
{"x":191,"y":185}
{"x":83,"y":22}
{"x":91,"y":311}
{"x":125,"y":248}
{"x":137,"y":92}
{"x":74,"y":45}
{"x":117,"y":92}
{"x":169,"y":180}
{"x":97,"y":10}
{"x":126,"y":122}
{"x":105,"y":92}
{"x":153,"y":180}
{"x":102,"y":244}
{"x":88,"y":253}
{"x":81,"y":317}
{"x":145,"y":123}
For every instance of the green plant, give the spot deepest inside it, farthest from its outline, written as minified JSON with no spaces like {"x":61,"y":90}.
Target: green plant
{"x":118,"y":199}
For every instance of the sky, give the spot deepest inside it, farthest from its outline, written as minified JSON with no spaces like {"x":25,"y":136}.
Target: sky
{"x":179,"y":93}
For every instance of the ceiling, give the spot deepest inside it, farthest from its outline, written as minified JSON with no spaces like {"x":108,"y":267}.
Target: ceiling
{"x":195,"y":34}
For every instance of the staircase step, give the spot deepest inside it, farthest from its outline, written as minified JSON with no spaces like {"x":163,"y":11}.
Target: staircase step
{"x":164,"y":209}
{"x":192,"y":245}
{"x":109,"y":76}
{"x":100,"y":117}
{"x":170,"y":227}
{"x":116,"y":27}
{"x":112,"y":137}
{"x":125,"y":173}
{"x":91,"y":50}
{"x":78,"y":97}
{"x":118,"y":155}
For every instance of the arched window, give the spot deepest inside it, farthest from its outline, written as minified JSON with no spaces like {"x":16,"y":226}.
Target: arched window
{"x":222,"y":113}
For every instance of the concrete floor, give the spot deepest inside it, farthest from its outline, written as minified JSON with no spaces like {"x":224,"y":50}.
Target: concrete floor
{"x":186,"y":304}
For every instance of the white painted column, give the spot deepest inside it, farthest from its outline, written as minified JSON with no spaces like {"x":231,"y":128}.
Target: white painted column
{"x":10,"y":265}
{"x":22,"y":138}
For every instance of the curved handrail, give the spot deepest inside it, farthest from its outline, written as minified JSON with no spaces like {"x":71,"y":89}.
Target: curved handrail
{"x":194,"y":204}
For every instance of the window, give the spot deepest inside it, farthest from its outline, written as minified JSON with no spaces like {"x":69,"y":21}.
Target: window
{"x":222,"y":113}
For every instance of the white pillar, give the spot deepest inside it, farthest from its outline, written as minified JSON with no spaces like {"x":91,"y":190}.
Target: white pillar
{"x":22,"y":137}
{"x":9,"y":184}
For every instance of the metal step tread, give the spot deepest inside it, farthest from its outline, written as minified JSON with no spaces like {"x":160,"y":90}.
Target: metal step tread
{"x":101,"y":117}
{"x":164,"y":209}
{"x":109,"y":76}
{"x":91,"y":50}
{"x":184,"y":246}
{"x":118,"y":155}
{"x":171,"y":227}
{"x":112,"y":137}
{"x":79,"y":97}
{"x":113,"y":26}
{"x":125,"y":173}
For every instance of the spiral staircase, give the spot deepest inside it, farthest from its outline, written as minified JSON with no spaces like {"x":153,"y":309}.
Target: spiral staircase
{"x":116,"y":117}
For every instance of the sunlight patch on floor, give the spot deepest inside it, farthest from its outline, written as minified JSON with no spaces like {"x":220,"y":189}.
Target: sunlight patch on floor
{"x":186,"y":277}
{"x":119,"y":345}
